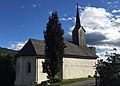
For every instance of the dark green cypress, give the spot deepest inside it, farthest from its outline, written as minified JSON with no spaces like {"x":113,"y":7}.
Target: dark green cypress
{"x":54,"y":47}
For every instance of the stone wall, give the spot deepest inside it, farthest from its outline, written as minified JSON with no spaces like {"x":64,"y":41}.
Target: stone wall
{"x":78,"y":68}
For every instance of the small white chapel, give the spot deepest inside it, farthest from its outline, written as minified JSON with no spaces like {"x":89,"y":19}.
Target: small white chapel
{"x":79,"y":60}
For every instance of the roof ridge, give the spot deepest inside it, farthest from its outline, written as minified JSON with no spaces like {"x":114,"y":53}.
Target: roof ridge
{"x":36,"y":47}
{"x":33,"y":45}
{"x":35,"y":39}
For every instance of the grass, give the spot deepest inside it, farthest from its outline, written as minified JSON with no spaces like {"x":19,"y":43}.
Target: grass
{"x":68,"y":81}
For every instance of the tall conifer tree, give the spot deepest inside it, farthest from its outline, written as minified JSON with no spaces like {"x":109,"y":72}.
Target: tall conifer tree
{"x":54,"y":47}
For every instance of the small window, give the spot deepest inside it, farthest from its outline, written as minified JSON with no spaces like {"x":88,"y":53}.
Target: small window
{"x":18,"y":67}
{"x":29,"y":67}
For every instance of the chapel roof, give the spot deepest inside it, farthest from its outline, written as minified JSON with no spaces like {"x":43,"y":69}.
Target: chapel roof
{"x":36,"y":48}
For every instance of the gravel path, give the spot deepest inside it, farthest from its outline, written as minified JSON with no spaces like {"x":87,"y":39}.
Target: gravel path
{"x":82,"y":83}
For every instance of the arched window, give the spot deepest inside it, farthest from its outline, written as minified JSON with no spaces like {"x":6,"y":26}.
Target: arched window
{"x":29,"y":67}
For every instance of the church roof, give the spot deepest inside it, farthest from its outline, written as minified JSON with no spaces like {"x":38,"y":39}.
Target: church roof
{"x":36,"y":48}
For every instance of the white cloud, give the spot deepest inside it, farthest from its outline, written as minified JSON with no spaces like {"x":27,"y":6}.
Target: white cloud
{"x":99,"y":20}
{"x":79,"y":7}
{"x":63,"y":19}
{"x":71,"y":28}
{"x":22,"y":6}
{"x":109,"y":2}
{"x":116,"y":2}
{"x":118,"y":16}
{"x":102,"y":56}
{"x":117,"y":20}
{"x":113,"y":3}
{"x":34,"y":5}
{"x":17,"y":45}
{"x":65,"y":15}
{"x":50,"y":12}
{"x":68,"y":19}
{"x":23,"y":26}
{"x":106,"y":53}
{"x":104,"y":47}
{"x":115,"y":11}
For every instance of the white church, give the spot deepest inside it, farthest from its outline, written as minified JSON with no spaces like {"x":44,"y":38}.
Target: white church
{"x":78,"y":61}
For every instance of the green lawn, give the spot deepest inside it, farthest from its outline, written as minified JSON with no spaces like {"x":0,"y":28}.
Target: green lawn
{"x":68,"y":81}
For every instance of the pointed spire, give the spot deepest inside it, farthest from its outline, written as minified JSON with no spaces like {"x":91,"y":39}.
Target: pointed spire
{"x":78,"y":24}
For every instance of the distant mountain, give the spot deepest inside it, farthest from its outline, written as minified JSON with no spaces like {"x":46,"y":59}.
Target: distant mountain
{"x":6,"y":52}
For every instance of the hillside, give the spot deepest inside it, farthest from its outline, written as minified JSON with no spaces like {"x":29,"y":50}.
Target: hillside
{"x":7,"y":67}
{"x":5,"y":52}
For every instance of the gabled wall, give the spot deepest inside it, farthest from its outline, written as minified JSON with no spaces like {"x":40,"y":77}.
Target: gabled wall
{"x":23,"y":78}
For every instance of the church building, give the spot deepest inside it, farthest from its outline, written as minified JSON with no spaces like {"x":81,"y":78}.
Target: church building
{"x":78,"y":61}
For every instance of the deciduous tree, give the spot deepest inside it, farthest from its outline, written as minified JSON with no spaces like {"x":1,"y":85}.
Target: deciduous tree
{"x":109,"y":71}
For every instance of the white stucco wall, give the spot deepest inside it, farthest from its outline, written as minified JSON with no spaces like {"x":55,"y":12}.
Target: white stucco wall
{"x":23,"y":78}
{"x":72,"y":68}
{"x":78,"y":68}
{"x":40,"y":76}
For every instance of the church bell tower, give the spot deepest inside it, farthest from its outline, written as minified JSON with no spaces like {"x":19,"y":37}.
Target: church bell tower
{"x":78,"y":33}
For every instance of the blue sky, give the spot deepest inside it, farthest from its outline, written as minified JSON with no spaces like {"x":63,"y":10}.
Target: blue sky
{"x":24,"y":19}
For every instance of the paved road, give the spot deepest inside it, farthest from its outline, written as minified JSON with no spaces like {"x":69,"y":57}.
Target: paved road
{"x":82,"y":83}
